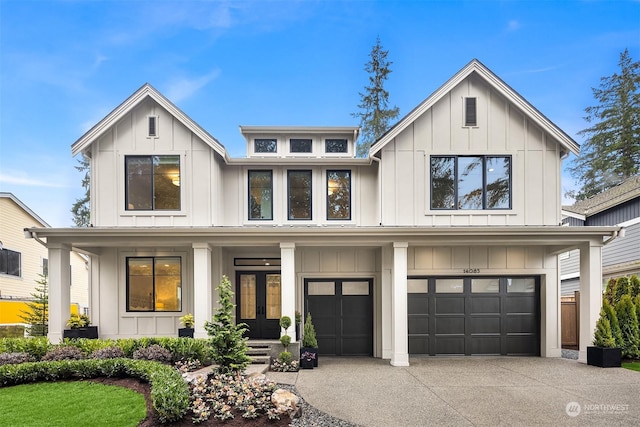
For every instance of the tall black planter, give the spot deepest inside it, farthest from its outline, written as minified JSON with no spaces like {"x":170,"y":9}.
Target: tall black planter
{"x":185,"y":332}
{"x":311,"y":350}
{"x":604,"y":357}
{"x":90,"y":332}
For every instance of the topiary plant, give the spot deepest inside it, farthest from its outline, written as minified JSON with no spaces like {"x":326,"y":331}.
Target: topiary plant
{"x":285,"y":322}
{"x":602,"y":336}
{"x":309,"y":335}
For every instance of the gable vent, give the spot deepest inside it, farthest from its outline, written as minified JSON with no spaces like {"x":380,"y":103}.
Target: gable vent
{"x":470,"y":112}
{"x":153,"y":126}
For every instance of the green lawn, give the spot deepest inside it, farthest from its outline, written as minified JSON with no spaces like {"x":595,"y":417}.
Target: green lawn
{"x":72,"y":403}
{"x":634,"y":366}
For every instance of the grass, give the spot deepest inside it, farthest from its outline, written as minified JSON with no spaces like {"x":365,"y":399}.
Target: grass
{"x":70,"y":403}
{"x":634,"y":366}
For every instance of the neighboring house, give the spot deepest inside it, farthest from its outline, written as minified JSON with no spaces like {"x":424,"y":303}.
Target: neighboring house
{"x":619,"y":206}
{"x":23,"y":261}
{"x":444,"y":240}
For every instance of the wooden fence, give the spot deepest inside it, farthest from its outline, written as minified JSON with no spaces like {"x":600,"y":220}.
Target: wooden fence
{"x":570,"y":318}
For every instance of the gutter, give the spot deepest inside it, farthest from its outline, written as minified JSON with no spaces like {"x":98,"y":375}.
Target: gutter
{"x":618,"y":233}
{"x":30,"y":234}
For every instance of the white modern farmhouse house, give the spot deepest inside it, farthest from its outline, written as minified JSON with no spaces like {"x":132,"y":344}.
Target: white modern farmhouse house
{"x":444,"y":240}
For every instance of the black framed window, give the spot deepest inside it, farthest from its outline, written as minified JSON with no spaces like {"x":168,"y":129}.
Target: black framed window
{"x":10,"y":262}
{"x":300,"y":145}
{"x":261,"y":195}
{"x":470,"y":182}
{"x":299,"y":194}
{"x":265,"y":145}
{"x":152,"y":182}
{"x":470,"y":112}
{"x":335,"y":146}
{"x":154,"y":284}
{"x":339,"y":194}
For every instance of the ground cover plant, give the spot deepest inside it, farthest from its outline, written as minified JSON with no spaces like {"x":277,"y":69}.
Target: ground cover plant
{"x":50,"y":405}
{"x":634,"y":366}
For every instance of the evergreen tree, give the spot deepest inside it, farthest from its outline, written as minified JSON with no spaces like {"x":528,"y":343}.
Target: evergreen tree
{"x":628,"y":319}
{"x":81,"y":208}
{"x":610,"y":312}
{"x":622,"y":288}
{"x":229,"y":347}
{"x":375,"y":113}
{"x":634,"y":286}
{"x":602,"y":336}
{"x":611,"y":152}
{"x":37,"y":313}
{"x":608,"y":292}
{"x":309,"y":334}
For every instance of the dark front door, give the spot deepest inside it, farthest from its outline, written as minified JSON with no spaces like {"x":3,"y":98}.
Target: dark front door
{"x":259,"y":303}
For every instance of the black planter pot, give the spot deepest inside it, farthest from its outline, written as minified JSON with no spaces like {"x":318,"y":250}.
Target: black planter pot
{"x":186,"y":332}
{"x":604,"y":357}
{"x":306,"y":364}
{"x":310,"y":350}
{"x":90,"y":332}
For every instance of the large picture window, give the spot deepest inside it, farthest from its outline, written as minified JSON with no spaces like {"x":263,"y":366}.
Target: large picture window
{"x":10,"y":262}
{"x":260,"y":195}
{"x":299,"y":193}
{"x":339,"y":194}
{"x":470,"y":182}
{"x":153,"y":182}
{"x":154,"y":284}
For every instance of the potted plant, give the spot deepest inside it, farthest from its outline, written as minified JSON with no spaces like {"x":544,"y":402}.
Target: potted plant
{"x":80,"y":327}
{"x":307,"y":359}
{"x":604,"y":353}
{"x":187,"y":321}
{"x":309,"y":341}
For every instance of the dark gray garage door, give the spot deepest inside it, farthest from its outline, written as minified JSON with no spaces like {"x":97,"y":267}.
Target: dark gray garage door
{"x":342,"y":312}
{"x":474,"y":316}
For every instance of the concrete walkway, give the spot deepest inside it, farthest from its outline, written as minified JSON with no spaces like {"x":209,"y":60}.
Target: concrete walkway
{"x":486,"y":391}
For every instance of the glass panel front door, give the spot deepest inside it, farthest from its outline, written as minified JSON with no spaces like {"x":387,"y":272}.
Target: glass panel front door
{"x":259,"y":303}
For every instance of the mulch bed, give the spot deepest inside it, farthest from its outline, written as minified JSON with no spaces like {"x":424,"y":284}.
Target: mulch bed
{"x":153,"y":421}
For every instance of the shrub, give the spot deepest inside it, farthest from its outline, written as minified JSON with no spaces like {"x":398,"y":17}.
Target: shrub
{"x":15,"y":358}
{"x":284,"y":357}
{"x":309,"y":335}
{"x":622,"y":288}
{"x":285,"y":322}
{"x":628,"y":319}
{"x":36,"y":347}
{"x":169,"y":393}
{"x":153,"y":352}
{"x":108,"y":353}
{"x":285,"y":340}
{"x":64,"y":353}
{"x":602,"y":336}
{"x":610,"y":312}
{"x":634,"y":285}
{"x":608,"y":293}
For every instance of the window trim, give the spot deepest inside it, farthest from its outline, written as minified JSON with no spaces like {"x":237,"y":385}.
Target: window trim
{"x":5,"y":252}
{"x":155,"y":211}
{"x":291,"y":151}
{"x":249,"y":194}
{"x":328,"y":171}
{"x":346,"y":146}
{"x":153,"y":258}
{"x":310,"y":172}
{"x":255,"y":146}
{"x":484,"y":183}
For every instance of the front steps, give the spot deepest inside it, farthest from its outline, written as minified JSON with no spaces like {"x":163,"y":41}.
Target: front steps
{"x":261,"y":351}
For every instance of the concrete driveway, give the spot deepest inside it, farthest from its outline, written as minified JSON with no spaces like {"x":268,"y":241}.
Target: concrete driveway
{"x":483,"y":391}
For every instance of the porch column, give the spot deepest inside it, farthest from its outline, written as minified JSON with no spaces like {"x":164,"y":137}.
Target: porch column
{"x":202,"y":287}
{"x":590,"y":294}
{"x":59,"y":289}
{"x":288,"y":281}
{"x":399,"y":327}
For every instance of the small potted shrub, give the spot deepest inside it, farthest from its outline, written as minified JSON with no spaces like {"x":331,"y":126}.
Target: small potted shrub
{"x":604,"y":353}
{"x":188,"y":322}
{"x":309,"y":341}
{"x":307,"y":359}
{"x":80,"y":327}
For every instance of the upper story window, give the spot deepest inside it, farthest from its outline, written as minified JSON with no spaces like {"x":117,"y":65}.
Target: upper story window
{"x":470,"y":182}
{"x":470,"y":112}
{"x":299,"y":194}
{"x":152,"y":126}
{"x":261,"y":195}
{"x":300,"y":145}
{"x":10,"y":262}
{"x":339,"y":194}
{"x":152,"y":182}
{"x":265,"y":145}
{"x":335,"y":146}
{"x":154,"y":284}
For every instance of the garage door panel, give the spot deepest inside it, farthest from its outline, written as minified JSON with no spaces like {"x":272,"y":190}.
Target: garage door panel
{"x":449,"y":305}
{"x":486,"y":345}
{"x":450,"y":345}
{"x":522,"y":345}
{"x":485,"y":304}
{"x":450,"y":325}
{"x":419,"y":345}
{"x":418,"y":324}
{"x":357,"y":346}
{"x":418,"y":304}
{"x":523,"y":304}
{"x":485,"y":325}
{"x":522,"y":323}
{"x":327,"y":345}
{"x":355,"y":305}
{"x":355,"y":325}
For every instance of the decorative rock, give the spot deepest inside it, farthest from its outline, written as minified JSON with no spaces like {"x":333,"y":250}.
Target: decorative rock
{"x":257,"y":377}
{"x":286,"y":402}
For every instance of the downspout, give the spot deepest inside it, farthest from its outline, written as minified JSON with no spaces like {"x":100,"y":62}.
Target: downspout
{"x":618,"y":233}
{"x":374,"y":158}
{"x":32,"y":235}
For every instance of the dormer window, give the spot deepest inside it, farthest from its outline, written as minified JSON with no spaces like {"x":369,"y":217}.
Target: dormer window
{"x":265,"y":145}
{"x":152,"y":126}
{"x":470,"y":113}
{"x":335,"y":146}
{"x":300,"y":145}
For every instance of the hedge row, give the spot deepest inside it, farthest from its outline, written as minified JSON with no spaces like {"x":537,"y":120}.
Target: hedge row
{"x":169,"y":391}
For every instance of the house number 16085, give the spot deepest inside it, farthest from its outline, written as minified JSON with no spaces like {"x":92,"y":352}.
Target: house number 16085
{"x":471,"y":270}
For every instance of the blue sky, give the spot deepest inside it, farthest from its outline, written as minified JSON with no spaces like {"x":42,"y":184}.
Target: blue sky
{"x":64,"y":65}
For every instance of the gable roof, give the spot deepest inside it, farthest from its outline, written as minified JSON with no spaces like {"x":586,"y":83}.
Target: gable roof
{"x":627,"y":190}
{"x":146,"y":91}
{"x":496,"y":83}
{"x":24,"y":207}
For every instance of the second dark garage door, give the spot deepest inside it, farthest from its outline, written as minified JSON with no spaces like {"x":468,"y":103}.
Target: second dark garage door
{"x":474,"y":316}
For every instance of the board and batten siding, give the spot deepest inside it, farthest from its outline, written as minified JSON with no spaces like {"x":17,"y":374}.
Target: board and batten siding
{"x":502,"y":129}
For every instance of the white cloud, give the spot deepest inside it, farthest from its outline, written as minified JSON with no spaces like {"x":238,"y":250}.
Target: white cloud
{"x":183,"y":88}
{"x":513,"y":25}
{"x":19,"y":178}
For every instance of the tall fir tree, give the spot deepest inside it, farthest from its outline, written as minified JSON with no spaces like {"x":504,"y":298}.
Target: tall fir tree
{"x":375,"y":115}
{"x":628,"y":319}
{"x":611,"y":152}
{"x":228,"y":344}
{"x":81,"y":208}
{"x":37,"y":313}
